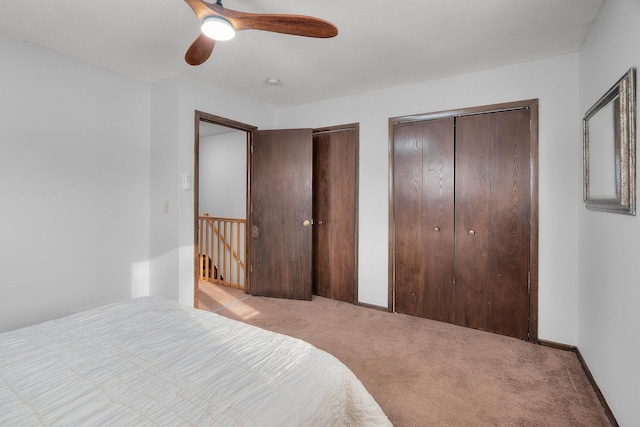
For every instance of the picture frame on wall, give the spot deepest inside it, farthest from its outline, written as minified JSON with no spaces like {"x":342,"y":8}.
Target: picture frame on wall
{"x":609,"y":141}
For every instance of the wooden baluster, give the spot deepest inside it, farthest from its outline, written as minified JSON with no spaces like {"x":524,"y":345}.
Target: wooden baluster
{"x":237,"y":251}
{"x":224,"y":254}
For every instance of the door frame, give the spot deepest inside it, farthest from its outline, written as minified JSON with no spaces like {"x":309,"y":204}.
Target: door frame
{"x":201,"y":116}
{"x":530,"y":104}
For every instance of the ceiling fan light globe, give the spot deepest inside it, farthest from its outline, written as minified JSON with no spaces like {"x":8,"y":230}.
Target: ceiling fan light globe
{"x":217,"y":28}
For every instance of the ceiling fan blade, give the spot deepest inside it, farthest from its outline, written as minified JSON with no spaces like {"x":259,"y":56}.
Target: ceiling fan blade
{"x":200,"y":50}
{"x":297,"y":25}
{"x":200,"y":8}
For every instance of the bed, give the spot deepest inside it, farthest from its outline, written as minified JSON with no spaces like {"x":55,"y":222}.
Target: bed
{"x":151,"y":361}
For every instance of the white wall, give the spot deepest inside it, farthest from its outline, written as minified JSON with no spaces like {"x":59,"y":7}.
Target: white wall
{"x":164,"y":190}
{"x":609,"y":279}
{"x":223,"y":175}
{"x":174,"y":102}
{"x":74,"y":185}
{"x":554,"y":82}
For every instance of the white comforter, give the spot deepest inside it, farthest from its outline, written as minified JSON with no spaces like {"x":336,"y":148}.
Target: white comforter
{"x":151,"y":361}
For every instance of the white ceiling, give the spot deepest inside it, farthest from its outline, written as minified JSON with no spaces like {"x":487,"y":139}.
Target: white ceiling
{"x":380,"y":43}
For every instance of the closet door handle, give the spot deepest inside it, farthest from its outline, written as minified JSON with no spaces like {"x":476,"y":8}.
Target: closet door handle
{"x":471,"y":232}
{"x":436,"y":229}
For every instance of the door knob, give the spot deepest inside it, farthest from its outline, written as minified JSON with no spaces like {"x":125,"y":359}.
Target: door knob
{"x":306,"y":223}
{"x":436,"y":229}
{"x":471,"y":232}
{"x":319,"y":222}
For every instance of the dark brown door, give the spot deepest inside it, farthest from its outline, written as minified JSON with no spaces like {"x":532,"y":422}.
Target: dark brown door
{"x":334,"y":207}
{"x":423,"y":213}
{"x":462,"y":212}
{"x":281,"y":213}
{"x":493,"y":210}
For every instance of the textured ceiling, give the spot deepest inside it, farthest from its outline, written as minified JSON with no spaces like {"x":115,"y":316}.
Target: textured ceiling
{"x":380,"y":43}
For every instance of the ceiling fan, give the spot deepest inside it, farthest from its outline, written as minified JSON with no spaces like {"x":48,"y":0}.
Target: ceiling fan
{"x":220,"y":23}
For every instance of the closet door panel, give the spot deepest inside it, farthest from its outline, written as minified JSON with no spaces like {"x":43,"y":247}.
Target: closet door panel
{"x":335,"y":183}
{"x":343,"y":214}
{"x":335,"y":214}
{"x":510,"y":213}
{"x":407,"y":212}
{"x":321,"y":209}
{"x":437,"y":218}
{"x":472,"y":219}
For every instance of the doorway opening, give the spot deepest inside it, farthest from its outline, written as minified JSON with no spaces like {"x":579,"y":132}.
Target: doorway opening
{"x":220,"y":204}
{"x":231,"y":189}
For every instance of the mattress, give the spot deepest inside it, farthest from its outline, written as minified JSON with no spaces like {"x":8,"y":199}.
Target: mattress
{"x":151,"y":361}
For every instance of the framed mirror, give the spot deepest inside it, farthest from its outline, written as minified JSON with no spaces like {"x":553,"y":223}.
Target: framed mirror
{"x":609,"y":149}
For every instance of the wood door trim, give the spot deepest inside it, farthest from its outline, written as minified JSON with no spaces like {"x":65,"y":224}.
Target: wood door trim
{"x":532,"y":105}
{"x":533,"y":248}
{"x":220,"y":121}
{"x":460,"y":112}
{"x":356,"y":129}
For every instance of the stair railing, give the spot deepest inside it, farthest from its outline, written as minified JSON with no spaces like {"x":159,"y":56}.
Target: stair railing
{"x":221,"y":250}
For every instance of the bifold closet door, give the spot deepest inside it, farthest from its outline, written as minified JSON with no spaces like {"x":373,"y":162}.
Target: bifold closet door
{"x":492,"y":217}
{"x":423,"y":194}
{"x":462,"y":212}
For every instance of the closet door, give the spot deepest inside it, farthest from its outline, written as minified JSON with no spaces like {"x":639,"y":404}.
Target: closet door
{"x":335,"y":168}
{"x":465,"y":217}
{"x":492,"y":216}
{"x":423,"y":192}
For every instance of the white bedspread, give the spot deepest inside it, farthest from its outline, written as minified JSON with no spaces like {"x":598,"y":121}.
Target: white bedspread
{"x":150,"y":361}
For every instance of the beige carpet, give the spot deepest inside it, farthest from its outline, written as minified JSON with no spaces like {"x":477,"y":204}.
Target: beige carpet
{"x":428,"y":373}
{"x":212,"y":297}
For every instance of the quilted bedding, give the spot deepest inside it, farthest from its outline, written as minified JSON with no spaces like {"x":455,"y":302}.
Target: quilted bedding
{"x":150,"y":361}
